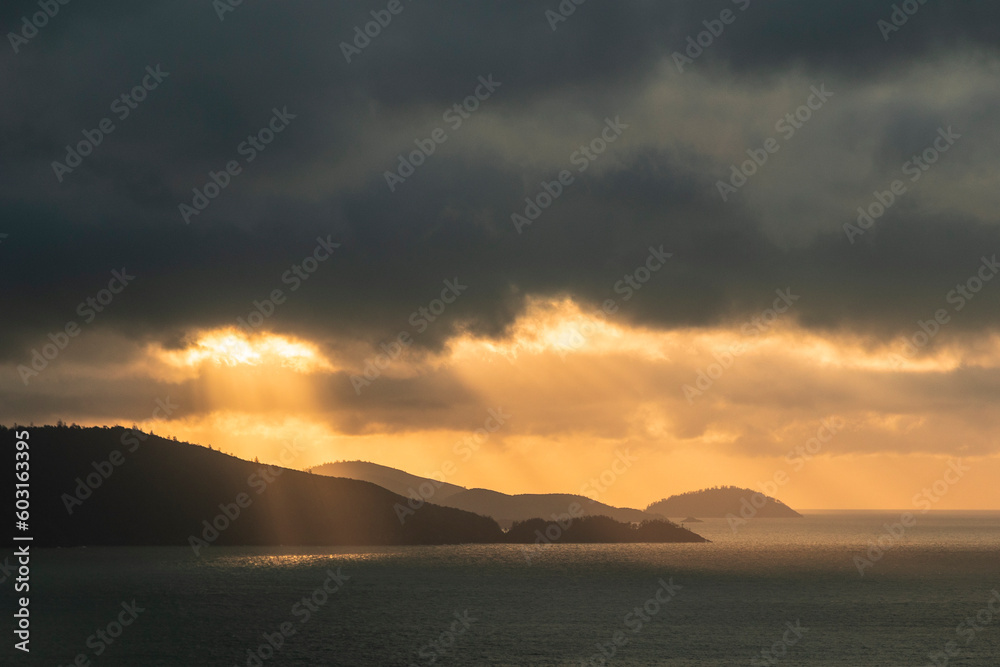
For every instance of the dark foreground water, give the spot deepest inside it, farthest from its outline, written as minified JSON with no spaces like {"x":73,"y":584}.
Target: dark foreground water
{"x":784,"y":592}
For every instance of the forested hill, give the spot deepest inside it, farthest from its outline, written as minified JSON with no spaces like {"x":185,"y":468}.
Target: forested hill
{"x":116,"y":486}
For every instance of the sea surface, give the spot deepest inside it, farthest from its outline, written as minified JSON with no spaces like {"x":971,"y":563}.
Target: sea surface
{"x":771,"y":592}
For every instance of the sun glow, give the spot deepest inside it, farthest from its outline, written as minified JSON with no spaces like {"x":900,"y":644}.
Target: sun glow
{"x":579,"y":385}
{"x":231,"y":347}
{"x":243,"y":384}
{"x":563,"y":327}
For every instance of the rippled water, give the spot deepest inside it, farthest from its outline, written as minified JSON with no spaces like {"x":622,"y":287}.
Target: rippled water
{"x":719,"y":604}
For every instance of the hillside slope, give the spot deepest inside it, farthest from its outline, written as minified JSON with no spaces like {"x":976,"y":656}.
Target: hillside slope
{"x":506,"y":509}
{"x":162,"y":491}
{"x":395,"y":480}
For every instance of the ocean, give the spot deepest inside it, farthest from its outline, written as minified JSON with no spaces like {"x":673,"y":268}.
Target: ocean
{"x":771,"y":592}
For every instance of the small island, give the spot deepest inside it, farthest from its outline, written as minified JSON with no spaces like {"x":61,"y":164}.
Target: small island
{"x":722,"y":501}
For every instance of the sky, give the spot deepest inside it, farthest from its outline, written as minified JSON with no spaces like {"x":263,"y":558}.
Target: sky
{"x":663,"y":246}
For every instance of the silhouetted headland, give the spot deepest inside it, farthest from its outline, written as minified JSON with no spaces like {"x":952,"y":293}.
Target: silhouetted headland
{"x":115,"y":486}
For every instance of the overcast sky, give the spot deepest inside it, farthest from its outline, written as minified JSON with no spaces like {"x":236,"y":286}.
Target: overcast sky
{"x":745,"y":158}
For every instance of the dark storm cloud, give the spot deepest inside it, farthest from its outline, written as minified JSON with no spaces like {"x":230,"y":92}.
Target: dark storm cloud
{"x":452,"y":219}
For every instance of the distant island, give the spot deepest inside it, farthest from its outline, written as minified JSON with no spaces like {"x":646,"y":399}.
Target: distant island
{"x":720,"y":502}
{"x":507,"y":509}
{"x":113,"y":486}
{"x":503,"y":508}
